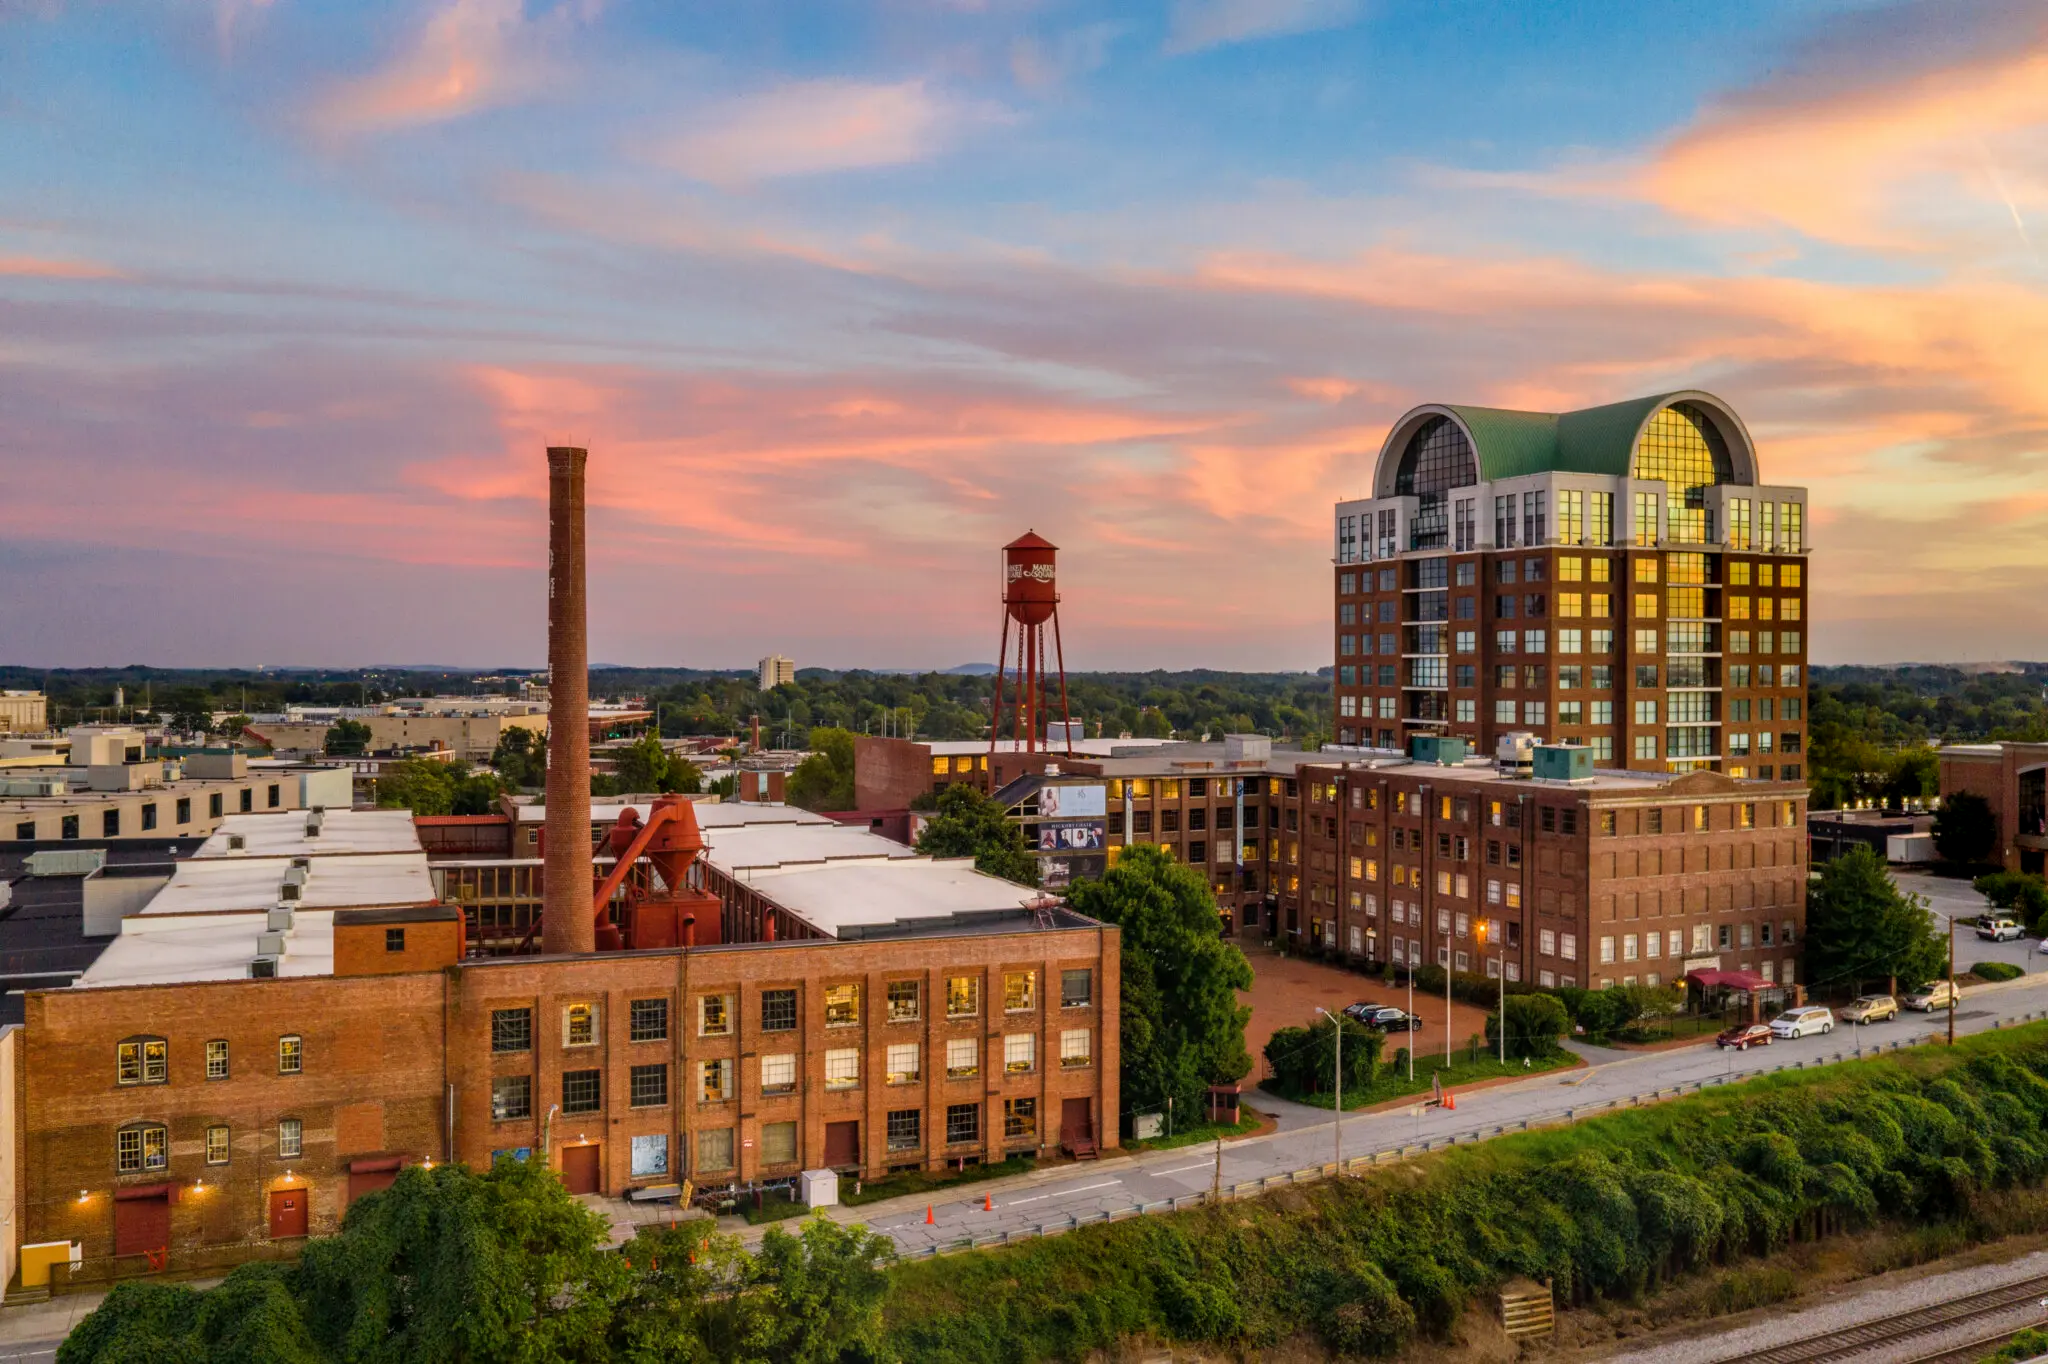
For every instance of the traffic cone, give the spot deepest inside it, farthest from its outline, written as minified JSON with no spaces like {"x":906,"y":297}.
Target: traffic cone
{"x":988,"y":1202}
{"x":1450,"y":1100}
{"x":929,"y":1220}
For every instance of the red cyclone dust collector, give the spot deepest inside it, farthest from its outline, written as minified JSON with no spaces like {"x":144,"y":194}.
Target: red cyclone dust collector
{"x":1030,"y":599}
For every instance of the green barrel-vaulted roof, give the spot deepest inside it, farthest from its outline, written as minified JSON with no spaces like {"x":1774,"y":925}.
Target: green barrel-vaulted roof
{"x":1595,"y":440}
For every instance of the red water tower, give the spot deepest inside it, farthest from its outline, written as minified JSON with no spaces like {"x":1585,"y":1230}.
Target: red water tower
{"x":1030,"y":600}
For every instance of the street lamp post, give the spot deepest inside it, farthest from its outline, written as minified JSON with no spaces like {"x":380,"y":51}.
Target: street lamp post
{"x":1501,"y":1026}
{"x":1337,"y":1024}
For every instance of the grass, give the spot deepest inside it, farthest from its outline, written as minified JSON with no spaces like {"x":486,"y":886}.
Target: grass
{"x":774,"y":1209}
{"x":1363,"y":1266}
{"x":1248,"y":1121}
{"x":1395,"y":1084}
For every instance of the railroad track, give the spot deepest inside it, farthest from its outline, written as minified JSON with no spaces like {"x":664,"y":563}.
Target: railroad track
{"x":1924,"y":1321}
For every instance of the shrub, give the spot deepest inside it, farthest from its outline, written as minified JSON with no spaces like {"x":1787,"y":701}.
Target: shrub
{"x":1535,"y":1023}
{"x":1996,"y":970}
{"x":2024,"y":896}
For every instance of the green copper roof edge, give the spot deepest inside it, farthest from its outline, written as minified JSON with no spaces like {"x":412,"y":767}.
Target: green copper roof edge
{"x":1592,"y":440}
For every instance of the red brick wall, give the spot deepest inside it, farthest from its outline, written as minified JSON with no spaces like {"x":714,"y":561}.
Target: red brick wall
{"x":889,"y":773}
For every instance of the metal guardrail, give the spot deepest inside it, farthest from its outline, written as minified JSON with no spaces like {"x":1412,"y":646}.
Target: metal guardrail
{"x":1253,"y":1188}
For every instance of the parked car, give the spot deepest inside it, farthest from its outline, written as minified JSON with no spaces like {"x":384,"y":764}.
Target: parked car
{"x":1384,"y":1017}
{"x":1743,"y":1036}
{"x":1871,"y":1009}
{"x":1799,"y":1022}
{"x":1999,"y":929}
{"x":1940,"y":995}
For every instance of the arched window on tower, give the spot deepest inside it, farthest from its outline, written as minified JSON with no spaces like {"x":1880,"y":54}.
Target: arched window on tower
{"x":1437,"y":459}
{"x":1683,"y":449}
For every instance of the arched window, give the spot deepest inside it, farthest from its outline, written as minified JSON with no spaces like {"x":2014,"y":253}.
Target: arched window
{"x":1437,"y":458}
{"x":142,"y":1061}
{"x":1683,"y":449}
{"x":140,"y":1147}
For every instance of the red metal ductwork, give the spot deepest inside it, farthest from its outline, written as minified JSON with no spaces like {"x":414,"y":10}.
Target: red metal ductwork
{"x":661,"y":909}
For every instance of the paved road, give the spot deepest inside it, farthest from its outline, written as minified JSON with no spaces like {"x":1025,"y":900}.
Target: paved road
{"x":1089,"y":1190}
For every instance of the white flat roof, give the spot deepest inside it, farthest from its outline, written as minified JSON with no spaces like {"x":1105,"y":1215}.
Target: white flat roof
{"x":165,"y":949}
{"x":834,"y":897}
{"x":710,"y":814}
{"x":746,"y":847}
{"x":283,"y":834}
{"x":348,"y":881}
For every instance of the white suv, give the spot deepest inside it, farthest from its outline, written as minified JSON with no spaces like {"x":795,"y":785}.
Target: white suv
{"x":1800,"y":1022}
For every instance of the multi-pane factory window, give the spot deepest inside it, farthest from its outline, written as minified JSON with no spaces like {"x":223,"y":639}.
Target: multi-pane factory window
{"x":778,"y":1011}
{"x":1571,"y":517}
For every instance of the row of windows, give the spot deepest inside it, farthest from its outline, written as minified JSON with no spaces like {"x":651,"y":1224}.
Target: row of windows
{"x":1571,"y":568}
{"x":648,"y":1085}
{"x":717,"y":1149}
{"x":512,"y":1029}
{"x":1683,"y":639}
{"x":147,"y":1060}
{"x":1704,"y":938}
{"x":110,"y":820}
{"x":143,"y":1147}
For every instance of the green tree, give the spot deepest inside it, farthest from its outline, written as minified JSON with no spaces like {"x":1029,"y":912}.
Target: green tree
{"x":521,"y":758}
{"x":347,"y":739}
{"x":1965,"y":830}
{"x":969,"y":824}
{"x":1182,"y":1028}
{"x":233,"y":726}
{"x":1304,"y":1060}
{"x":1861,"y":926}
{"x":645,"y":767}
{"x":821,"y":1294}
{"x":824,"y":780}
{"x":434,"y":786}
{"x":687,"y":1304}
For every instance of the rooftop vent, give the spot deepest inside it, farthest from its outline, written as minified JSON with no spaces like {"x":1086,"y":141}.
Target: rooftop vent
{"x":290,"y":892}
{"x":270,"y":945}
{"x":263,"y":968}
{"x":302,"y":863}
{"x":236,"y":842}
{"x":280,"y":920}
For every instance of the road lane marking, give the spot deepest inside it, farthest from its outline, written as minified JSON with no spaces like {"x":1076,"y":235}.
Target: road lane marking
{"x":1183,"y":1169}
{"x":1105,"y":1184}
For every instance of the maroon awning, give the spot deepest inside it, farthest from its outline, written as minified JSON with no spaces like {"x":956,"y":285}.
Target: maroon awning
{"x":1732,"y":980}
{"x":128,"y":1191}
{"x":376,"y":1165}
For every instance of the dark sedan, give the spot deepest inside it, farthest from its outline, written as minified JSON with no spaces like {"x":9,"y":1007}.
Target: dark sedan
{"x":1743,"y":1036}
{"x":1384,"y":1017}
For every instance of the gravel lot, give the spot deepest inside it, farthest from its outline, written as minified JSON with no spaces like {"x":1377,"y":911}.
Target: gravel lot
{"x":1884,"y":1296}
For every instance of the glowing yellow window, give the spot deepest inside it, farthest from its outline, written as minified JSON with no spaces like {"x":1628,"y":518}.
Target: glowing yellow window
{"x":940,"y":767}
{"x":1646,"y":605}
{"x":1646,"y":570}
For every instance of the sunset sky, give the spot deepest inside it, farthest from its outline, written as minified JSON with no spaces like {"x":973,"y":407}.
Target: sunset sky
{"x":843,"y":296}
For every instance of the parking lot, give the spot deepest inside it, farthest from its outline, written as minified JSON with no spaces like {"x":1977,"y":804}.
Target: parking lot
{"x":1949,"y":898}
{"x":1287,"y":990}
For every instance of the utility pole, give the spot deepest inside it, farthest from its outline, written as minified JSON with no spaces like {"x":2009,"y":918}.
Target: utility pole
{"x":1411,"y":1015}
{"x":1216,"y":1186}
{"x":1337,"y":1023}
{"x":1951,"y":982}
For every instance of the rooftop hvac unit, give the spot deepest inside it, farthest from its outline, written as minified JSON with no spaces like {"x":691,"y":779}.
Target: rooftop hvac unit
{"x":297,"y":875}
{"x":302,"y":864}
{"x":280,"y":920}
{"x":270,"y":944}
{"x":236,"y":842}
{"x":1516,"y":751}
{"x":263,"y":968}
{"x":312,"y":828}
{"x":289,"y":891}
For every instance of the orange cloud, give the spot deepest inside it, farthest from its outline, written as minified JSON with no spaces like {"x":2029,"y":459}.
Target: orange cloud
{"x":1860,"y":167}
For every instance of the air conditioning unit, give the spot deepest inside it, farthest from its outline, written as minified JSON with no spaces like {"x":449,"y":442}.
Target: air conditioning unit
{"x":302,"y":864}
{"x":289,"y":891}
{"x":280,"y":919}
{"x":312,"y":828}
{"x":270,"y":944}
{"x":263,"y":968}
{"x":237,"y":842}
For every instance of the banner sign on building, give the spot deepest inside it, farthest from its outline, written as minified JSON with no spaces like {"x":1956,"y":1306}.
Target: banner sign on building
{"x":1078,"y":837}
{"x":1073,"y":802}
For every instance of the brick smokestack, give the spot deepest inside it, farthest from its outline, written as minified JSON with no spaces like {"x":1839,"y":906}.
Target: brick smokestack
{"x":567,"y":884}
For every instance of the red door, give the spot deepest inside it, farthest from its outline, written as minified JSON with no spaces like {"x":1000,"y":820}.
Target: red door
{"x":580,"y":1167}
{"x":842,"y":1144}
{"x":142,"y":1225}
{"x":287,"y":1213}
{"x":1077,"y":1128}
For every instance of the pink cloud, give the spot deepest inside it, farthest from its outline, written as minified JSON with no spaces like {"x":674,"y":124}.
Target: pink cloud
{"x":37,"y":267}
{"x":808,"y":127}
{"x":470,"y":55}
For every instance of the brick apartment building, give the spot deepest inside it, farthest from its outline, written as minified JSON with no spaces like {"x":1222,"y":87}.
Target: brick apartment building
{"x":171,"y":1101}
{"x":1587,"y":878}
{"x":1617,"y":577}
{"x":2013,"y":778}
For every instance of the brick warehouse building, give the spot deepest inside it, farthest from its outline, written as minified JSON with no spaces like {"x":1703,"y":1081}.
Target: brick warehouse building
{"x":1587,"y":878}
{"x":2013,"y":778}
{"x":1617,"y":577}
{"x":173,"y":1102}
